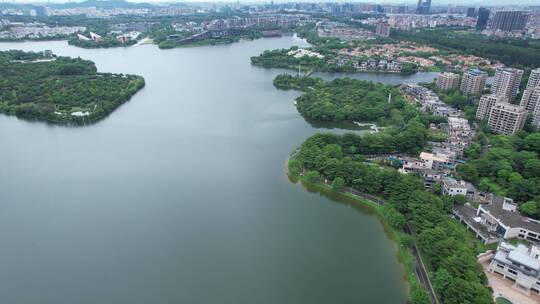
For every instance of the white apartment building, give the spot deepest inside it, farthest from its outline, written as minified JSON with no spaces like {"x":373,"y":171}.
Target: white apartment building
{"x":486,"y":103}
{"x":473,"y":82}
{"x":519,"y":264}
{"x":534,"y":82}
{"x":447,"y":81}
{"x":437,"y":161}
{"x":506,"y":82}
{"x":534,"y":98}
{"x":497,"y":218}
{"x":506,"y":118}
{"x":452,"y":187}
{"x":382,"y":29}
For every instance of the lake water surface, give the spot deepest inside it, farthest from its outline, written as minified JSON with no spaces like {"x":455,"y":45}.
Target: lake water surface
{"x":181,"y":196}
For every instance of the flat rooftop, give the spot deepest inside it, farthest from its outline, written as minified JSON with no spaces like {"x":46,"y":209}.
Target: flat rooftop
{"x":508,"y":218}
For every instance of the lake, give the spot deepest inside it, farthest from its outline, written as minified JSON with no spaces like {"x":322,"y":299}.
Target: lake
{"x":181,"y":194}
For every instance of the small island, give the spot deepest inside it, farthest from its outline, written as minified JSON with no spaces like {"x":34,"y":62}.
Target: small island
{"x":210,"y":37}
{"x":60,"y":90}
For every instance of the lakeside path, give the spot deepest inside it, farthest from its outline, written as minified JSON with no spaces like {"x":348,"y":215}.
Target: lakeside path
{"x":420,"y":269}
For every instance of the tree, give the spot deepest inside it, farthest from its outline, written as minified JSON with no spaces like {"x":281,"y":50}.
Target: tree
{"x":529,"y":208}
{"x":459,"y":199}
{"x":468,"y":172}
{"x":532,"y":142}
{"x":394,"y":218}
{"x":338,"y":184}
{"x":441,"y":280}
{"x":293,"y":166}
{"x":419,"y":295}
{"x":313,"y":176}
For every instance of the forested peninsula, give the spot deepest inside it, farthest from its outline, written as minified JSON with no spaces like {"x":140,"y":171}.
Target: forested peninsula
{"x":344,"y":99}
{"x":60,"y":90}
{"x":352,"y":100}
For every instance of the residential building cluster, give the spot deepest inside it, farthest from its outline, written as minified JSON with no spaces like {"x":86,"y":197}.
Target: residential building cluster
{"x":416,"y":53}
{"x":342,"y":31}
{"x":230,"y":26}
{"x":427,"y":100}
{"x":531,"y":97}
{"x":299,"y":53}
{"x":473,"y":82}
{"x":266,"y":21}
{"x":16,"y":30}
{"x":388,"y":51}
{"x":389,"y":66}
{"x":95,"y":12}
{"x":409,"y":22}
{"x":498,"y":109}
{"x":509,"y":23}
{"x":437,"y":164}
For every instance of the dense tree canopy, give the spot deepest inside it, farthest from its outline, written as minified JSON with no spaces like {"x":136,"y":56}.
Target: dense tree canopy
{"x":510,"y":166}
{"x":39,"y":86}
{"x":346,"y":99}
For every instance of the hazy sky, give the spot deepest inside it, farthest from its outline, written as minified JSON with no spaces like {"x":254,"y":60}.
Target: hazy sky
{"x":408,"y":2}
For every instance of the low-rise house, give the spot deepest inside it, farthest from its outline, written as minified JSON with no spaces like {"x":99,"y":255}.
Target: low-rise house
{"x":452,"y":187}
{"x":497,"y":218}
{"x":410,"y":165}
{"x":299,"y":53}
{"x":519,"y":264}
{"x":97,"y":38}
{"x":471,"y":190}
{"x":437,"y":161}
{"x":501,"y":215}
{"x":430,"y":177}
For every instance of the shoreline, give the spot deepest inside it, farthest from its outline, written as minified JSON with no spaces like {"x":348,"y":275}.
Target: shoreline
{"x":403,"y":254}
{"x":309,"y":71}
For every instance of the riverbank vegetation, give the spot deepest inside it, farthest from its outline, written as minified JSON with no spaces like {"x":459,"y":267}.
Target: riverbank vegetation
{"x":507,"y":165}
{"x":449,"y":248}
{"x":107,"y":42}
{"x":60,"y":90}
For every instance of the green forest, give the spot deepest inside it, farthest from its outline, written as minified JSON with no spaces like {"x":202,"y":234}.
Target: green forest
{"x":44,"y":87}
{"x":508,"y":165}
{"x":449,"y":249}
{"x":347,"y":99}
{"x":279,"y":59}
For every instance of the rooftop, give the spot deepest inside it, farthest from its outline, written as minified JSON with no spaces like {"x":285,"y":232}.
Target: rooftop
{"x":509,"y":218}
